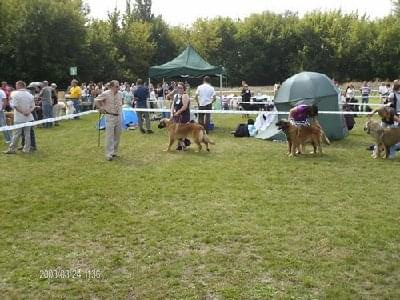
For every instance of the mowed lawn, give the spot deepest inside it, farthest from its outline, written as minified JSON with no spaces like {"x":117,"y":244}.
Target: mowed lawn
{"x":242,"y":222}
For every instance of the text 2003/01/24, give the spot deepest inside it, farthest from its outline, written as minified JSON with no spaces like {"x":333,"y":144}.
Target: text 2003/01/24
{"x":69,"y":274}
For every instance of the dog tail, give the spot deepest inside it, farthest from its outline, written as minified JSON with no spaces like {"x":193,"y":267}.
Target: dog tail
{"x":325,"y":138}
{"x":206,"y":139}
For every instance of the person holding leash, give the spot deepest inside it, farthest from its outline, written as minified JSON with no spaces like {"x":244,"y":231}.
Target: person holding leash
{"x":110,"y":104}
{"x":180,"y":110}
{"x":299,"y":114}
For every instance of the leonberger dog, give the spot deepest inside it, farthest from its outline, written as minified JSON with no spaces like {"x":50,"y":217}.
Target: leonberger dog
{"x":384,"y":137}
{"x":386,"y":113}
{"x":298,"y":136}
{"x":178,"y":131}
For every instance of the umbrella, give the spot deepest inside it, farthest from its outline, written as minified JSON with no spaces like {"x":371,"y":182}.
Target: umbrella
{"x":306,"y":86}
{"x":35,"y":84}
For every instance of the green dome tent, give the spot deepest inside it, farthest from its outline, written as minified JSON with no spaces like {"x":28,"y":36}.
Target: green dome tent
{"x":188,"y":63}
{"x":314,"y":88}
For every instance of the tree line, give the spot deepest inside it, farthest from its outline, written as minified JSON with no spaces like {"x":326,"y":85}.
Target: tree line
{"x":41,"y":39}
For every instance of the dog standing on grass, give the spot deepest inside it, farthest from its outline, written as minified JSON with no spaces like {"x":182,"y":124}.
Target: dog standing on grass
{"x":298,"y":136}
{"x":178,"y":131}
{"x":384,"y":137}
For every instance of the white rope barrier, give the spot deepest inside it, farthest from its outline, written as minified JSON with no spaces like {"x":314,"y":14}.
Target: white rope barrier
{"x":247,"y":112}
{"x":49,"y":120}
{"x":160,"y":110}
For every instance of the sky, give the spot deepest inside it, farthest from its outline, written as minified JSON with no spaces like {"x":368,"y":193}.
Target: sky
{"x":185,"y":12}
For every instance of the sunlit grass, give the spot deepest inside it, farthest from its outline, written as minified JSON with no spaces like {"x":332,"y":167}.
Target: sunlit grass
{"x":241,"y":222}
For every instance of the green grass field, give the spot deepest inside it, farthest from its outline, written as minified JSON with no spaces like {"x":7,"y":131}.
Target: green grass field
{"x":241,"y":222}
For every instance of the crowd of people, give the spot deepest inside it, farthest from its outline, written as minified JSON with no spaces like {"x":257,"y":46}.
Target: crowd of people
{"x":349,"y":95}
{"x":39,"y":100}
{"x":21,"y":104}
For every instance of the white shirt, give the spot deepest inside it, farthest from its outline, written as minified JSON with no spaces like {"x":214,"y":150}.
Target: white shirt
{"x":206,"y":93}
{"x":350,"y":93}
{"x":25,"y":103}
{"x":2,"y":97}
{"x":382,"y":90}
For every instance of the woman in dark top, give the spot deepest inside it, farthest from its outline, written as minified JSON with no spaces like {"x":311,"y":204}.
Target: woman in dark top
{"x":180,"y":110}
{"x":246,"y":97}
{"x":181,"y":106}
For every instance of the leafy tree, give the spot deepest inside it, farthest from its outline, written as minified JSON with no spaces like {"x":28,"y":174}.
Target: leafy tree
{"x":135,"y":50}
{"x":385,"y":49}
{"x":100,"y":59}
{"x":396,"y":7}
{"x":268,"y":47}
{"x":11,"y":13}
{"x":49,"y":39}
{"x":141,"y":11}
{"x":41,"y":39}
{"x":165,"y":48}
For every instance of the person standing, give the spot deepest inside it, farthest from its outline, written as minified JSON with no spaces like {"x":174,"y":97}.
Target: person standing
{"x":110,"y":103}
{"x":23,"y":104}
{"x":7,"y":90}
{"x":75,"y":93}
{"x":383,"y":92}
{"x":57,"y":108}
{"x":141,"y":95}
{"x":246,"y":97}
{"x":350,"y":98}
{"x":3,"y":101}
{"x":394,"y":97}
{"x":127,"y":95}
{"x":276,"y":88}
{"x":365,"y":91}
{"x":205,"y":96}
{"x":47,"y":103}
{"x":180,"y":110}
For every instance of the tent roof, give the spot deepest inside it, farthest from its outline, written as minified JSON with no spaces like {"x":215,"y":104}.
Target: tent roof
{"x":304,"y":86}
{"x":189,"y":62}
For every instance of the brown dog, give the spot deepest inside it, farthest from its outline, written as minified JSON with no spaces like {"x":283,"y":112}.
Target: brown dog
{"x":384,"y":137}
{"x":386,"y":113}
{"x":178,"y":131}
{"x":298,"y":136}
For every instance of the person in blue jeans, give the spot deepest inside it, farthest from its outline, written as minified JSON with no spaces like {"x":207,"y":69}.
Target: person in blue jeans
{"x":393,"y":149}
{"x":140,"y":99}
{"x":47,"y":103}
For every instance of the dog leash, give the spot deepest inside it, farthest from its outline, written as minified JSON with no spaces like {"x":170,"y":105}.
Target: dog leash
{"x":177,"y":123}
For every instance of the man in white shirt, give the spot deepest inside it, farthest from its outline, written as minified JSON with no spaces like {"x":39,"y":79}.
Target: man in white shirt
{"x":23,"y":103}
{"x":3,"y":122}
{"x":205,"y":96}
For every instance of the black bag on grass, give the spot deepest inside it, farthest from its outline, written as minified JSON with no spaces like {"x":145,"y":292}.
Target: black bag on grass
{"x":242,"y":131}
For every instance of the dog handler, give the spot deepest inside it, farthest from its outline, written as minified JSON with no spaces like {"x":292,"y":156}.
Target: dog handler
{"x":389,"y":119}
{"x":298,"y":115}
{"x":110,"y":104}
{"x":180,"y":110}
